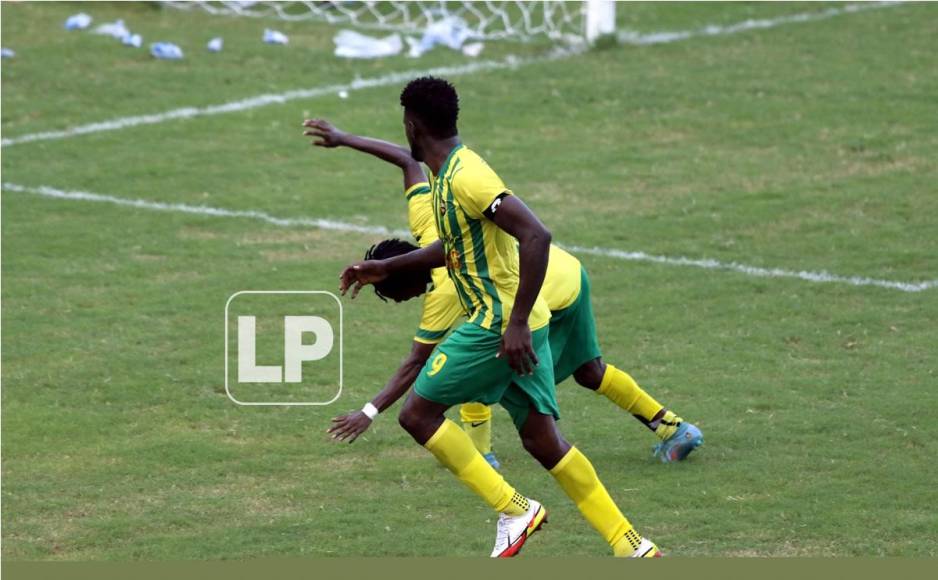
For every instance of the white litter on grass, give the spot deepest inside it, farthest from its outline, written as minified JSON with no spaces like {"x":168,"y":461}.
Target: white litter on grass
{"x":473,"y":50}
{"x":215,"y":44}
{"x":275,"y":37}
{"x":351,"y":44}
{"x":450,"y":32}
{"x":7,"y":53}
{"x":119,"y":30}
{"x":114,"y":29}
{"x":343,"y":94}
{"x":334,"y":225}
{"x":78,"y":21}
{"x":165,"y":51}
{"x":265,"y":100}
{"x":389,"y":79}
{"x":134,"y":40}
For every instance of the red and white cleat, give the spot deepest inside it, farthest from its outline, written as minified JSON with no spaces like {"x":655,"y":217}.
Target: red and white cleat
{"x":646,"y":549}
{"x":514,"y":531}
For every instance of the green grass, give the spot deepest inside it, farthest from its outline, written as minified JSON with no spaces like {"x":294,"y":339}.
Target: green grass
{"x":810,"y":146}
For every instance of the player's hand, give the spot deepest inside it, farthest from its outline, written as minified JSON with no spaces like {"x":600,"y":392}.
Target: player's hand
{"x":349,"y":427}
{"x":517,"y":348}
{"x":325,"y":133}
{"x":361,"y":274}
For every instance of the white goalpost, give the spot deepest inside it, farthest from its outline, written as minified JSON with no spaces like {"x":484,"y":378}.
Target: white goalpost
{"x":579,"y":21}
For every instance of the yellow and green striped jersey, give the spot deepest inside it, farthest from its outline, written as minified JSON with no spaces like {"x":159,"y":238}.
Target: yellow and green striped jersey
{"x":441,"y":307}
{"x":420,"y":214}
{"x":481,"y":258}
{"x":562,"y":281}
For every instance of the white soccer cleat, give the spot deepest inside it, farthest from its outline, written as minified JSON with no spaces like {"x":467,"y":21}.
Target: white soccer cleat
{"x":514,"y":531}
{"x":646,"y":549}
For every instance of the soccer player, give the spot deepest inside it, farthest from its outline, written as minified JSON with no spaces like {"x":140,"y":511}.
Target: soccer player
{"x":495,"y":251}
{"x":574,"y":346}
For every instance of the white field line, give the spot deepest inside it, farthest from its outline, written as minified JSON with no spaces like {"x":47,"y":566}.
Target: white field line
{"x":756,"y":271}
{"x":326,"y":224}
{"x":664,"y":37}
{"x":204,"y":210}
{"x":627,"y":37}
{"x":280,"y":98}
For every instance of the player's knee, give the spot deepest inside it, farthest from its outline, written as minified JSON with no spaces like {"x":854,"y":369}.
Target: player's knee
{"x":533,"y":444}
{"x":543,"y":441}
{"x":409,"y":420}
{"x":418,"y":424}
{"x":547,"y":449}
{"x":538,"y":444}
{"x":528,"y":440}
{"x":590,"y":375}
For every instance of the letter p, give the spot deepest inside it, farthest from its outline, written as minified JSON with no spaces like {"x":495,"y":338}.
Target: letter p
{"x":295,"y":352}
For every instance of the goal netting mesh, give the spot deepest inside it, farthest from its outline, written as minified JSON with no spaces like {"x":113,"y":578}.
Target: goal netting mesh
{"x":573,"y":21}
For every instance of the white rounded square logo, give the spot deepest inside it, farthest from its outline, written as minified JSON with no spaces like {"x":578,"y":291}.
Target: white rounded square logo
{"x":283,"y":347}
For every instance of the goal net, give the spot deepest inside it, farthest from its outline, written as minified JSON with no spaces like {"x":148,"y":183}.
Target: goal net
{"x":573,"y":21}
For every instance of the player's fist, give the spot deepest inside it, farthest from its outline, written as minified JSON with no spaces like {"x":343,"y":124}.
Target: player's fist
{"x":361,"y":274}
{"x":324,"y":132}
{"x":517,"y":348}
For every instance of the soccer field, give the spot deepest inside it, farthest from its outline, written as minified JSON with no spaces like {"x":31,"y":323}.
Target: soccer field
{"x":798,"y":158}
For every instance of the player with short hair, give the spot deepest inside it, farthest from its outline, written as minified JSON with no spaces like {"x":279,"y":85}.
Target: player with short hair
{"x":495,"y":251}
{"x":574,"y":349}
{"x":574,"y":346}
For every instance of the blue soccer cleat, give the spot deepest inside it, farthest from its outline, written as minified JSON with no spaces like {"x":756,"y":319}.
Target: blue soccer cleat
{"x":678,"y":446}
{"x":490,"y":457}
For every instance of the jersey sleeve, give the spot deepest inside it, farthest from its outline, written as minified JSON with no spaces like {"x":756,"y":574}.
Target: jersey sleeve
{"x":441,"y":312}
{"x":421,"y":188}
{"x":420,"y":213}
{"x":476,"y":186}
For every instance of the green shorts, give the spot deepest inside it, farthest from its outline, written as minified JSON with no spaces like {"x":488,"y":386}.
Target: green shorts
{"x":573,"y":341}
{"x":463,"y":369}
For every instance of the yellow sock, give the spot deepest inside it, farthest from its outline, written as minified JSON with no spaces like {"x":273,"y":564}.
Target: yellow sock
{"x":621,"y":389}
{"x":453,"y":448}
{"x":666,"y":425}
{"x":578,"y":479}
{"x":477,"y":423}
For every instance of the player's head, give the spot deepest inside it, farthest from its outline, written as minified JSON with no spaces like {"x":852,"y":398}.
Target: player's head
{"x":398,"y":287}
{"x":431,"y":107}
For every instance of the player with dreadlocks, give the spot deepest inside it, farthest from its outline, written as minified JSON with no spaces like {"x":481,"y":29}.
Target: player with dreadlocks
{"x":529,"y":395}
{"x":398,"y":288}
{"x":572,"y":338}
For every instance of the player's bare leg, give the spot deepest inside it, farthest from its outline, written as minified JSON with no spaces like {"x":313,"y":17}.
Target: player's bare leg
{"x":678,"y":437}
{"x":519,"y":516}
{"x":578,"y":479}
{"x":421,"y":418}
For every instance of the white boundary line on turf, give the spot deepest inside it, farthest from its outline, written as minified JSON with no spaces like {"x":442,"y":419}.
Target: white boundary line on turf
{"x":817,"y":277}
{"x":665,"y":37}
{"x":756,"y":271}
{"x":322,"y":224}
{"x":627,"y":37}
{"x":279,"y":98}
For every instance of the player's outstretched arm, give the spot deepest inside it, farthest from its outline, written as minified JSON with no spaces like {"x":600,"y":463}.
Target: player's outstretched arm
{"x":360,"y":274}
{"x":348,"y":427}
{"x":512,"y":215}
{"x":328,"y":135}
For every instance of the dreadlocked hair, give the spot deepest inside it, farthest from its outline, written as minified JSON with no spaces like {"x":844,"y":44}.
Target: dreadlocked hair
{"x":434,"y":101}
{"x":397,"y":284}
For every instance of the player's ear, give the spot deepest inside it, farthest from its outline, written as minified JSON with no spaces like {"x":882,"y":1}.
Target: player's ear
{"x":415,"y":127}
